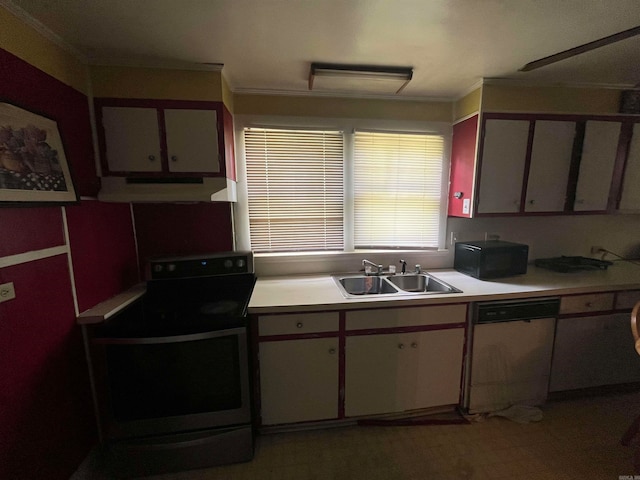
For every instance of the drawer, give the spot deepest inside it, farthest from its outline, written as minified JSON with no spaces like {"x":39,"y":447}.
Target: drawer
{"x":627,"y":300}
{"x":405,"y":317}
{"x":599,"y":302}
{"x":298,"y":323}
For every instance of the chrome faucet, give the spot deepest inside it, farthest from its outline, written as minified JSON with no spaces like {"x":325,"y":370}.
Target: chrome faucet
{"x":404,"y":267}
{"x":378,"y":268}
{"x":418,"y":269}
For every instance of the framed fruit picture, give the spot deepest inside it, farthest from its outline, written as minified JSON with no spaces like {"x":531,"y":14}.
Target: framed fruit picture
{"x":33,"y":166}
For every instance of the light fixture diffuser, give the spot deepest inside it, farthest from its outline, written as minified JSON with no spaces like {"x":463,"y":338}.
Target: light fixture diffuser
{"x":356,"y":77}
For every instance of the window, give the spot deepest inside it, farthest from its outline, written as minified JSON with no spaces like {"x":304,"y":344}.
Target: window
{"x":325,"y":190}
{"x":397,"y":189}
{"x":295,"y":189}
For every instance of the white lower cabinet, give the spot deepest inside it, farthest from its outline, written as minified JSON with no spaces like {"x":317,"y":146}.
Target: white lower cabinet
{"x":299,"y":380}
{"x":402,"y":371}
{"x":593,"y":351}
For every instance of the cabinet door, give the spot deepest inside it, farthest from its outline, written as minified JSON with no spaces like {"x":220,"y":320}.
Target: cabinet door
{"x":132,"y":139}
{"x":593,"y":351}
{"x":299,"y":380}
{"x":550,"y":163}
{"x":192,"y":140}
{"x":630,"y":199}
{"x":399,"y":372}
{"x":502,"y":168}
{"x":599,"y":151}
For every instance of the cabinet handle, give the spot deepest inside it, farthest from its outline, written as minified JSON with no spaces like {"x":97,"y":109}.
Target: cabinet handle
{"x":414,"y":345}
{"x":401,"y":346}
{"x":332,"y":351}
{"x":151,"y":157}
{"x":299,"y":325}
{"x":588,"y":304}
{"x":531,"y":202}
{"x":174,"y":158}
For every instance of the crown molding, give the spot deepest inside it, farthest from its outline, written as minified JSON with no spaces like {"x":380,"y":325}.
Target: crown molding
{"x":354,"y":95}
{"x":512,"y":82}
{"x":468,"y":90}
{"x":155,"y":63}
{"x":43,"y":30}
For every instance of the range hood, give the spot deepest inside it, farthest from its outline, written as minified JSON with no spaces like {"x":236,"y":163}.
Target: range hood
{"x":207,"y":189}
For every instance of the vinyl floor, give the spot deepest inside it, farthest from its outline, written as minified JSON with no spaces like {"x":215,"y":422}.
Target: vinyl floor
{"x":576,"y":439}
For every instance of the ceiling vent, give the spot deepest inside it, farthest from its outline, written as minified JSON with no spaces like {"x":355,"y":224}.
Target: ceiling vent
{"x":373,"y":79}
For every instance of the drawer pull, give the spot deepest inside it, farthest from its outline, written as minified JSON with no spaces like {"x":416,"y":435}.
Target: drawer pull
{"x":151,"y":157}
{"x":401,"y":346}
{"x":332,"y":351}
{"x":414,"y":345}
{"x":588,"y":304}
{"x":299,"y":325}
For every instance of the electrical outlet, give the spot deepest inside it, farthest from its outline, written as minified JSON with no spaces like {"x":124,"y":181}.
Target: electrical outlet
{"x":454,"y":238}
{"x":596,"y":249}
{"x":7,"y":292}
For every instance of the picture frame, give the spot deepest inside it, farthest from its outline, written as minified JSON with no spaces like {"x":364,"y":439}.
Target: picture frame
{"x":33,"y":165}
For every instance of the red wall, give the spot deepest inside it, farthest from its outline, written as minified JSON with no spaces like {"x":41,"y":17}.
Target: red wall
{"x":173,"y":229}
{"x":46,"y":414}
{"x":463,"y":154}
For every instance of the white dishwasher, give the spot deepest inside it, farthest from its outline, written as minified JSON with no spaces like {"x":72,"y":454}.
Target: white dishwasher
{"x":512,"y":345}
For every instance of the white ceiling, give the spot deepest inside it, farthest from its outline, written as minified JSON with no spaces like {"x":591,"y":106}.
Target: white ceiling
{"x":269,"y":44}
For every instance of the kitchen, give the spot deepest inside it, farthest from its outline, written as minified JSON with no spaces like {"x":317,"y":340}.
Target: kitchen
{"x":49,"y":391}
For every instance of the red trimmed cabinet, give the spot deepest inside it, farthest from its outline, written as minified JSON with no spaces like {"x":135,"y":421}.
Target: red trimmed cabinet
{"x":339,"y":365}
{"x":164,"y":138}
{"x":544,"y":164}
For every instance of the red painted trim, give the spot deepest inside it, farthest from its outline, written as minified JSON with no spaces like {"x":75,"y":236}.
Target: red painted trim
{"x":480,"y":155}
{"x":599,"y":292}
{"x":297,"y":336}
{"x":162,"y":132}
{"x":342,"y":365}
{"x":527,"y":166}
{"x":574,"y":167}
{"x":624,"y":143}
{"x":157,"y":103}
{"x":421,"y":328}
{"x":466,"y":348}
{"x":594,"y":313}
{"x":541,"y":214}
{"x":396,"y":307}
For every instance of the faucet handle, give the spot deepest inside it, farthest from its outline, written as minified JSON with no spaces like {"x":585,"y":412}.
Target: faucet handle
{"x":418,"y":268}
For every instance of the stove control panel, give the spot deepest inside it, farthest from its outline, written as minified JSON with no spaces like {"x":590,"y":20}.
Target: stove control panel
{"x":202,"y":265}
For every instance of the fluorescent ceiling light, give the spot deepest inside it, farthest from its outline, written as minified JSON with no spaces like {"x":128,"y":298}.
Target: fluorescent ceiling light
{"x":332,"y":76}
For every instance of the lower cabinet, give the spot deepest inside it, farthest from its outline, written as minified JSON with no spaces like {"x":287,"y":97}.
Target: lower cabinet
{"x":299,"y":380}
{"x":402,"y":371}
{"x":593,"y":351}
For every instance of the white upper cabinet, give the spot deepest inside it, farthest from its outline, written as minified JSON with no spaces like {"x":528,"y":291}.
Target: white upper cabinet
{"x":550,"y":164}
{"x":630,"y":199}
{"x":163,"y":138}
{"x":132,"y":139}
{"x":599,"y":151}
{"x":192,"y":140}
{"x":502,"y":165}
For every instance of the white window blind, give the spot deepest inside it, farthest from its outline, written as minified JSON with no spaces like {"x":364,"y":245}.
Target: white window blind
{"x":397,"y":189}
{"x":295,"y":189}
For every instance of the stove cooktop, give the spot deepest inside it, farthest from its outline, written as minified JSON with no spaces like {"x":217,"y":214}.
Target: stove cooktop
{"x":572,"y":264}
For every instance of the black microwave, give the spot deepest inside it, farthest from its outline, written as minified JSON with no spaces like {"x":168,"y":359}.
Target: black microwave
{"x":491,"y":259}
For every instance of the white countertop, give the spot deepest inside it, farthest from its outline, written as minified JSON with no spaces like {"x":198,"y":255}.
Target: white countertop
{"x":319,"y":292}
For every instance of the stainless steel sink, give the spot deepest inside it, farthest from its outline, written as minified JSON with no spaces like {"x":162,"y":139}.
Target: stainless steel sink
{"x":412,"y":284}
{"x":365,"y":285}
{"x":423,"y":283}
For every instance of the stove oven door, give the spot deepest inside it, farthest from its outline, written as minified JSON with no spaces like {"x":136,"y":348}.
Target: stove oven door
{"x":160,"y":385}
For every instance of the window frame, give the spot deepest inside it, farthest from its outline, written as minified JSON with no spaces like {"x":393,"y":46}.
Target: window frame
{"x":242,"y":239}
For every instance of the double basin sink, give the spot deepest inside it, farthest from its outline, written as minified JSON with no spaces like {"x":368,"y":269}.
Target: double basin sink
{"x":409,"y":284}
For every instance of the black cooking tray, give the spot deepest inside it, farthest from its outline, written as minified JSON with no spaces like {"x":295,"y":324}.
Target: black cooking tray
{"x":572,"y":264}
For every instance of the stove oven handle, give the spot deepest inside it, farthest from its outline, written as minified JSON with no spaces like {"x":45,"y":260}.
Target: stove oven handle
{"x":170,"y":339}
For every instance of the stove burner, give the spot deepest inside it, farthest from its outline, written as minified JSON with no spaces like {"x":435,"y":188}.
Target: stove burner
{"x":219,"y":308}
{"x":570,"y":264}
